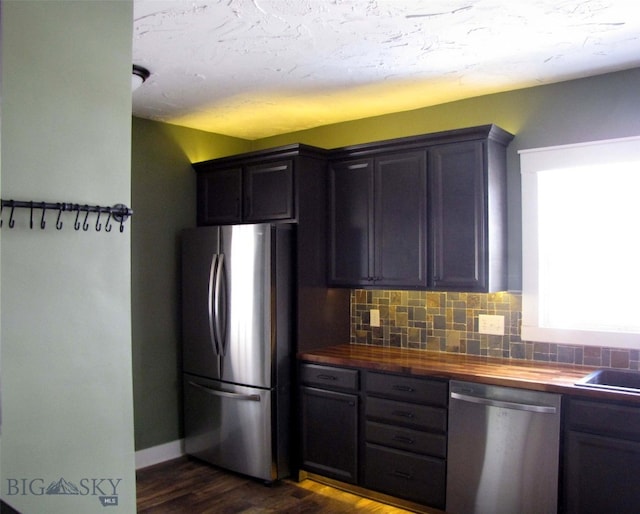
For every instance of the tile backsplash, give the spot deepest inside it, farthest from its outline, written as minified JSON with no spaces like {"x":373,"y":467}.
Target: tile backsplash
{"x":448,"y":322}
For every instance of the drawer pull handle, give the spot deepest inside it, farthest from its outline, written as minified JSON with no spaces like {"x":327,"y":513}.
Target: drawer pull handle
{"x":403,"y":388}
{"x":403,"y":414}
{"x":402,"y":474}
{"x":327,"y":377}
{"x":403,"y":439}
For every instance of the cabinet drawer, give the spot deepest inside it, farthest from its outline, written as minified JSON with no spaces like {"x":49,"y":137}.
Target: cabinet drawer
{"x":426,"y":443}
{"x":411,"y":415}
{"x":410,"y":389}
{"x":412,"y":477}
{"x":329,"y":377}
{"x":604,"y":418}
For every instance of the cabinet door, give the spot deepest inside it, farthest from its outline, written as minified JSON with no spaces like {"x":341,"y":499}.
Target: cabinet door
{"x":457,"y":200}
{"x":401,"y":220}
{"x":219,"y":196}
{"x":601,"y":474}
{"x":330,"y":434}
{"x":268,"y":192}
{"x":351,"y":223}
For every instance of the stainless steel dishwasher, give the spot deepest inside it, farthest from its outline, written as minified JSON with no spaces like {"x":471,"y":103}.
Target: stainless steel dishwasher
{"x":503,"y":450}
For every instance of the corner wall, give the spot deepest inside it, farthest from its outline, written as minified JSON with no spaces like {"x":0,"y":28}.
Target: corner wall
{"x":65,"y":306}
{"x":164,"y":197}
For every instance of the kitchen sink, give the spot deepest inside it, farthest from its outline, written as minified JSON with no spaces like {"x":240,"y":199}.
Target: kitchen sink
{"x":612,"y":379}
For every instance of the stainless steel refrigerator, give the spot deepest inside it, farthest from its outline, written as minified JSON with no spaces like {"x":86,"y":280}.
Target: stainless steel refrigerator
{"x":237,"y":338}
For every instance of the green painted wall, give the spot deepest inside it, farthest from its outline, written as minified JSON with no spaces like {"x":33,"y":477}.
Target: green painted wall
{"x":65,"y":307}
{"x":600,"y":107}
{"x":163,"y":188}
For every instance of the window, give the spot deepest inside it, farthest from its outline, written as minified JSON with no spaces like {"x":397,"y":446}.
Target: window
{"x":581,"y":243}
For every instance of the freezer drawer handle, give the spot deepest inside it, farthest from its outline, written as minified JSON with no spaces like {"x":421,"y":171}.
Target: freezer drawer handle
{"x":226,"y":394}
{"x":546,"y":409}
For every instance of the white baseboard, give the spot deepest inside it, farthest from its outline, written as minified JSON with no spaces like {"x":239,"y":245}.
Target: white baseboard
{"x":160,"y":453}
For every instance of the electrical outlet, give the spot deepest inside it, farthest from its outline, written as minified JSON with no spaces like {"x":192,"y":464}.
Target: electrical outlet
{"x":374,"y":317}
{"x":491,"y":324}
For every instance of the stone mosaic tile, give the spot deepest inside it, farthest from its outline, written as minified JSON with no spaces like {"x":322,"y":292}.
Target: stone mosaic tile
{"x":448,"y":322}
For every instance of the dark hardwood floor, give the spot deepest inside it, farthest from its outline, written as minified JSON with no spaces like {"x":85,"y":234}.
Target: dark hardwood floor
{"x":190,"y":486}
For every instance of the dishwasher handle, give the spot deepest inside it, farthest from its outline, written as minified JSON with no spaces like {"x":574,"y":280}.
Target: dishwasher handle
{"x":483,"y":400}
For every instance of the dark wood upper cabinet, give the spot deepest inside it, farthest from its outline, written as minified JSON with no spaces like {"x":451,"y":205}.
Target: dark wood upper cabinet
{"x":400,"y":214}
{"x":219,"y":196}
{"x":460,"y":226}
{"x":378,"y":221}
{"x":421,"y":212}
{"x":260,"y":186}
{"x":424,"y":212}
{"x":351,"y":222}
{"x":246,"y":193}
{"x":268,"y":191}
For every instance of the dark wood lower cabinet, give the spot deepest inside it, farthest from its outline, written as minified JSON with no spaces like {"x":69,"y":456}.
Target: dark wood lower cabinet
{"x":330,"y":434}
{"x":387,"y":435}
{"x":601,"y":458}
{"x":602,"y":475}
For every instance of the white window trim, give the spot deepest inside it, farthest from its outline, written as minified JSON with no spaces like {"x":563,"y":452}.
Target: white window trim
{"x":564,"y":156}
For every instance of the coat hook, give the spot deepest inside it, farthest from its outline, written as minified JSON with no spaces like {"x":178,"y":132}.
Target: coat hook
{"x":43,"y":206}
{"x":58,"y":222}
{"x":76,"y":223}
{"x":107,"y":225}
{"x":12,"y":222}
{"x":98,"y":225}
{"x":1,"y":207}
{"x":85,"y":225}
{"x":31,"y":215}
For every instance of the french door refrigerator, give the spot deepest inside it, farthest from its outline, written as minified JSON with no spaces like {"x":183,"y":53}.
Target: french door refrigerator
{"x":237,"y":338}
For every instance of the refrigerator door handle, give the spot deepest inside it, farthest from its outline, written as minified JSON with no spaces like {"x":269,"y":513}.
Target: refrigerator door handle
{"x":226,"y":394}
{"x":220,"y":308}
{"x":210,"y":303}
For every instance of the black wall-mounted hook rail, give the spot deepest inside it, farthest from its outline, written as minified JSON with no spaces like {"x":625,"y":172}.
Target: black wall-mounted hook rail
{"x":119,"y":213}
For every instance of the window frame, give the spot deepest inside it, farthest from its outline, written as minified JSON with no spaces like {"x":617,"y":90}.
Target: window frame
{"x":533,"y":161}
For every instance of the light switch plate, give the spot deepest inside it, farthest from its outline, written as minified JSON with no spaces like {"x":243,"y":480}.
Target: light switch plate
{"x":491,"y":324}
{"x":374,"y":317}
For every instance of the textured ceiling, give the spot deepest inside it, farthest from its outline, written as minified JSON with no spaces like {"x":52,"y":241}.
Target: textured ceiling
{"x":255,"y":68}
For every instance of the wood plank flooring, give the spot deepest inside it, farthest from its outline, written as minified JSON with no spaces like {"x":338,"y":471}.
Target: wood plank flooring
{"x":189,"y":486}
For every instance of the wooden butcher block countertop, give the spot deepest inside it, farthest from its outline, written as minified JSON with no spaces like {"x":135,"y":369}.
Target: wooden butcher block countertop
{"x":534,"y":375}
